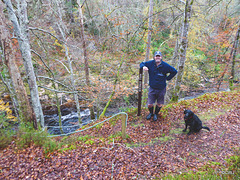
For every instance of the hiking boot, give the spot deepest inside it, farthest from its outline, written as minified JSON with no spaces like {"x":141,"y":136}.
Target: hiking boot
{"x":155,"y":116}
{"x":150,"y":114}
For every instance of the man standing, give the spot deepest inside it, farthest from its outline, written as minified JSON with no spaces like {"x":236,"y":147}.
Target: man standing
{"x":159,"y":72}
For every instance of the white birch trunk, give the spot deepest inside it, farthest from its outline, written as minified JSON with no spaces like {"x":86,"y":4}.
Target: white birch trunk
{"x":145,"y":73}
{"x":183,"y":49}
{"x":175,"y":53}
{"x":21,"y":32}
{"x":61,"y":27}
{"x":148,"y":41}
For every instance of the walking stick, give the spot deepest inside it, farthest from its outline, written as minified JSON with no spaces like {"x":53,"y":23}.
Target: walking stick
{"x":140,"y":91}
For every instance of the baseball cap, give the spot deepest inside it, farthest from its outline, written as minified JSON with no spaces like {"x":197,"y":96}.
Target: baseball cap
{"x":157,"y":53}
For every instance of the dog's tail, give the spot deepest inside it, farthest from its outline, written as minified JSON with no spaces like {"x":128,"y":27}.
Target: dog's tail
{"x":205,"y":127}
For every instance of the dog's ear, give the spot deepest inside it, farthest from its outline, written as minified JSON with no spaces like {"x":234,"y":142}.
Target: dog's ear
{"x":185,"y":111}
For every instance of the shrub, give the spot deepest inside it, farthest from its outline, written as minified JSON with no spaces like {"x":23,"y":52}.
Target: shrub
{"x":5,"y":138}
{"x":6,"y":122}
{"x":6,"y":115}
{"x":28,"y":136}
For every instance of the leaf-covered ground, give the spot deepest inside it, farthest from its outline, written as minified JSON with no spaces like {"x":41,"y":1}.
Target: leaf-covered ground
{"x":152,"y":149}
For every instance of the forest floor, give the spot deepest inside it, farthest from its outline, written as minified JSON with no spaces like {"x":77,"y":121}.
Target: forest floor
{"x":151,"y":150}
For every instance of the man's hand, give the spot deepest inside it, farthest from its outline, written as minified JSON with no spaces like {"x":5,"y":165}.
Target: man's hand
{"x":145,"y":68}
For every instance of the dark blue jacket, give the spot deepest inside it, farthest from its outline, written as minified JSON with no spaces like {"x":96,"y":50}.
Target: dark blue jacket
{"x":158,"y":75}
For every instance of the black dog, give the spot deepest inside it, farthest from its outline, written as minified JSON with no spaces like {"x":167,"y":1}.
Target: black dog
{"x":194,"y":123}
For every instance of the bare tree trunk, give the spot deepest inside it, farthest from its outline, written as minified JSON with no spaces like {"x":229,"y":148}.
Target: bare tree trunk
{"x":21,"y":31}
{"x":183,"y":49}
{"x":149,"y":40}
{"x":234,"y":57}
{"x":6,"y":79}
{"x":61,"y":27}
{"x":83,"y":43}
{"x":176,"y":53}
{"x":73,"y":83}
{"x":85,"y":55}
{"x":24,"y":109}
{"x":145,"y":73}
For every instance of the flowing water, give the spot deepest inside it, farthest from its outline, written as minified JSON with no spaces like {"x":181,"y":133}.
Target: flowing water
{"x":70,"y":122}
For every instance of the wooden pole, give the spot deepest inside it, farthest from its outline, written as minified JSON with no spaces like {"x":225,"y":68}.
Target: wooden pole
{"x":140,"y":91}
{"x":123,"y":126}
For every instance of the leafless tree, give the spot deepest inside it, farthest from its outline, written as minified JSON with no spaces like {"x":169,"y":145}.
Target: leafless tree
{"x":23,"y":106}
{"x":236,"y":44}
{"x":183,"y":49}
{"x":19,"y":20}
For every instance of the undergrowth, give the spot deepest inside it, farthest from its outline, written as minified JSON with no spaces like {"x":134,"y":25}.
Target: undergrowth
{"x":6,"y":137}
{"x":7,"y":120}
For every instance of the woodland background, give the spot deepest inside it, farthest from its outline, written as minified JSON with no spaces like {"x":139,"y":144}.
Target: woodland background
{"x":61,"y":56}
{"x":68,"y":51}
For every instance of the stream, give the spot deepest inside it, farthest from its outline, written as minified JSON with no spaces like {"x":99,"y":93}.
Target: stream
{"x":69,"y":122}
{"x":195,"y":94}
